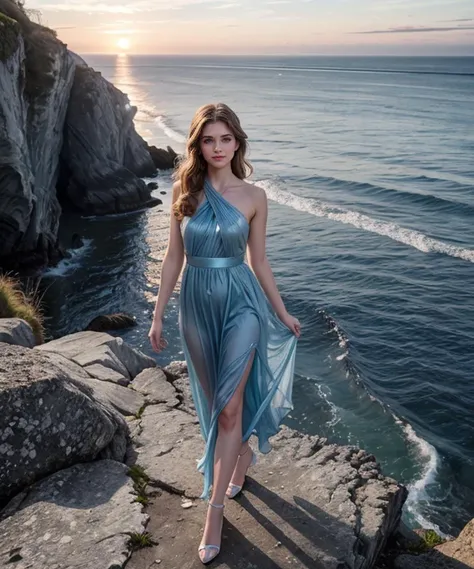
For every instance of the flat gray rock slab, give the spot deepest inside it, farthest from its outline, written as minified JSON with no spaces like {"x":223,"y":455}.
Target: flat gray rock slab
{"x":74,"y":344}
{"x":103,"y":356}
{"x":87,"y":348}
{"x":152,"y":383}
{"x":125,"y":400}
{"x":103,"y":373}
{"x":80,"y":518}
{"x":168,"y":447}
{"x":122,"y":399}
{"x":16,"y":331}
{"x":254,"y":536}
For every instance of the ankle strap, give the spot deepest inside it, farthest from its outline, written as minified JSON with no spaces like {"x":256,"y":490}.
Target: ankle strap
{"x":218,"y":506}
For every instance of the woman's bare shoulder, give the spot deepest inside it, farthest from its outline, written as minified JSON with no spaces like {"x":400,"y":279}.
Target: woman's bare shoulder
{"x":256,"y":193}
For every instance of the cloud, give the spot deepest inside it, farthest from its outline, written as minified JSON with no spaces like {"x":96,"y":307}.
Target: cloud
{"x":413,"y":4}
{"x":120,"y":7}
{"x":415,"y":30}
{"x":226,"y":6}
{"x":459,"y":20}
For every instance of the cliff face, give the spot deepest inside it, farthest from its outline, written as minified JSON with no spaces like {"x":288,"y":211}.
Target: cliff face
{"x":100,"y":165}
{"x":58,"y":116}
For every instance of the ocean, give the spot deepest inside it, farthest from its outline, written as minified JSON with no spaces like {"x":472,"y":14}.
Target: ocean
{"x":368,"y":163}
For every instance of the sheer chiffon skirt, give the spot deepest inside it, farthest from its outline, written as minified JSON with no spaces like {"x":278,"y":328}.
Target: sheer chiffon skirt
{"x":225,"y":320}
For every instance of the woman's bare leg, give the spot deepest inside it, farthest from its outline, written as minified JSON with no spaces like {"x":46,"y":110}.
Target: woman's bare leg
{"x":243,"y":462}
{"x":228,"y":445}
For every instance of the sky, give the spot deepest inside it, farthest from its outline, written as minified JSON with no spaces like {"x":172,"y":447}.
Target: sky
{"x":326,"y":27}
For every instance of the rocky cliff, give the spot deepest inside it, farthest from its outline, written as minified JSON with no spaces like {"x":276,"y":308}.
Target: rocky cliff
{"x":92,"y":432}
{"x":100,"y":167}
{"x":67,"y":138}
{"x":81,"y":408}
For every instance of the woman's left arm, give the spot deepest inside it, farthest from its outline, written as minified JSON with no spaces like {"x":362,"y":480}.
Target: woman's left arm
{"x":259,"y":263}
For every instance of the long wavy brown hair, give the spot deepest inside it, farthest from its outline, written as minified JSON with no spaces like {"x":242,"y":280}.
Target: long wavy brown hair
{"x":192,"y":170}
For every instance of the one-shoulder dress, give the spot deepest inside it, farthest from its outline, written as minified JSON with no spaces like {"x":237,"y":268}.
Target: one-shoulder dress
{"x":224,"y":319}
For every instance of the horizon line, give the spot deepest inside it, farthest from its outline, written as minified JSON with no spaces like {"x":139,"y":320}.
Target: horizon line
{"x":123,"y":53}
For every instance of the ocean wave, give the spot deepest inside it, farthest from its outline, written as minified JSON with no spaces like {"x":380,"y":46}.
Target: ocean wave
{"x":343,"y":340}
{"x":391,"y":230}
{"x":168,"y":128}
{"x":71,"y":263}
{"x":396,"y":195}
{"x":325,"y":393}
{"x":417,"y":489}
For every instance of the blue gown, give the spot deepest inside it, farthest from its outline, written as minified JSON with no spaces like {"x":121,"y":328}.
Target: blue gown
{"x":224,"y":319}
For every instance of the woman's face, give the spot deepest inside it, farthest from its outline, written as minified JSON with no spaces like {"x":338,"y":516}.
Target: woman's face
{"x":218,"y":144}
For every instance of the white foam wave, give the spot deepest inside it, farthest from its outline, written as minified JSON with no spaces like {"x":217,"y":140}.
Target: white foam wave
{"x":69,"y":264}
{"x":417,"y":489}
{"x":165,"y":125}
{"x":409,"y":237}
{"x":325,"y":394}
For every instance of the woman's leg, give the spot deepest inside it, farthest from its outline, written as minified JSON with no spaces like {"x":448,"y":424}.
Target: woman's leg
{"x":243,"y":462}
{"x":228,"y":445}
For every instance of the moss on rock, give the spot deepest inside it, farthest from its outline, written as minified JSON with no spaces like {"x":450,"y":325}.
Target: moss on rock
{"x":9,"y":35}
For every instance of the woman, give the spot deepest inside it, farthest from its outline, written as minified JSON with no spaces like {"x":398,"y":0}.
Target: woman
{"x":239,"y":345}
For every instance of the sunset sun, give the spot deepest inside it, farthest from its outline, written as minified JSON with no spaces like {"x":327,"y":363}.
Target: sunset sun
{"x":123,"y":43}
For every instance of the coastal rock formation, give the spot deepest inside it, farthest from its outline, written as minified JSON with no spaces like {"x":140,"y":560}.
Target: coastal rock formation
{"x":89,"y":348}
{"x":16,"y":331}
{"x":100,"y":167}
{"x":453,"y":554}
{"x":65,"y":510}
{"x":67,"y":139}
{"x":36,"y":76}
{"x":83,"y":516}
{"x":307,"y":504}
{"x":49,"y":418}
{"x":163,"y":159}
{"x":117,"y":321}
{"x":70,"y":427}
{"x":462,"y":548}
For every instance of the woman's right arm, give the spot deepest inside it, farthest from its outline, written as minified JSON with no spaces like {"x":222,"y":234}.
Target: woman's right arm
{"x":170,"y":270}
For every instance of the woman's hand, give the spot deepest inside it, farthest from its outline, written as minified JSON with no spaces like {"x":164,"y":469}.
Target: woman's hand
{"x":292,"y":323}
{"x":158,"y":343}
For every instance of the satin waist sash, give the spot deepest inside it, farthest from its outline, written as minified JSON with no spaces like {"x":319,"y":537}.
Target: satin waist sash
{"x":214,"y":262}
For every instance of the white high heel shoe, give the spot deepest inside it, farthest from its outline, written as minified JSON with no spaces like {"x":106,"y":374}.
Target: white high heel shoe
{"x":204,"y":547}
{"x":233,"y":490}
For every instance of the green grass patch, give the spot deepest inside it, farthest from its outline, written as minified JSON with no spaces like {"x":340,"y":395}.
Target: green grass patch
{"x":432,"y":539}
{"x":15,"y":303}
{"x":140,"y":483}
{"x":141,"y":540}
{"x":429,"y":539}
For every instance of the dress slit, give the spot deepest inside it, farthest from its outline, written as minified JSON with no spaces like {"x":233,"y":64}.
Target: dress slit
{"x":225,"y":320}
